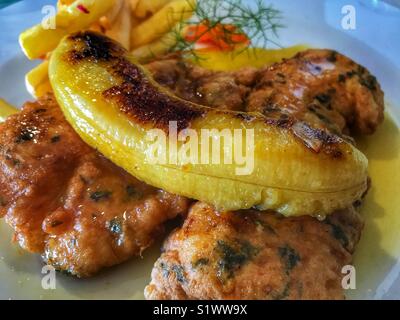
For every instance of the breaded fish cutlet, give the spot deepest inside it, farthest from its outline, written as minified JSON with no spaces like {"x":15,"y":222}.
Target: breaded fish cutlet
{"x":255,"y":255}
{"x":67,"y":202}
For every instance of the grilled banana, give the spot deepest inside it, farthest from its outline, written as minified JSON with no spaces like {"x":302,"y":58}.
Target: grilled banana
{"x":113,"y":103}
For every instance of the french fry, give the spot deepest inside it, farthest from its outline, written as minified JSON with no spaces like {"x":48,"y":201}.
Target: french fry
{"x":161,"y":22}
{"x":134,"y":4}
{"x":63,"y":3}
{"x":112,"y":15}
{"x":35,"y":48}
{"x":42,"y":89}
{"x":37,"y":80}
{"x":146,"y":7}
{"x":121,"y":28}
{"x":6,"y":109}
{"x":79,"y":15}
{"x":156,"y":48}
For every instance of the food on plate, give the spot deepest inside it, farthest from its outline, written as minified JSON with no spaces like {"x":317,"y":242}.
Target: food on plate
{"x":112,"y":149}
{"x":251,"y":254}
{"x":67,"y":202}
{"x":298,"y":169}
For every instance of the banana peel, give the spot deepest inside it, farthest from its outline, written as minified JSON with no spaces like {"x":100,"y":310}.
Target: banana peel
{"x":112,"y":102}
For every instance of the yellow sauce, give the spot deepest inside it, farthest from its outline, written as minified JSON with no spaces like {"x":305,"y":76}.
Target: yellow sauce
{"x":379,"y":246}
{"x":257,"y":57}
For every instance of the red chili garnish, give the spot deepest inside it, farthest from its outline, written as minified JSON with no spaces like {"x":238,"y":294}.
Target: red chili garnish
{"x":223,"y":37}
{"x":82,"y":8}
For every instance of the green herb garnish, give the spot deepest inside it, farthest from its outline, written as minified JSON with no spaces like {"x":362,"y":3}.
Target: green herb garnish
{"x":260,"y":23}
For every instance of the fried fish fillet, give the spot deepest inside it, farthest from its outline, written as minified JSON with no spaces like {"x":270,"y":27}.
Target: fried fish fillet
{"x":67,"y":202}
{"x":255,"y":255}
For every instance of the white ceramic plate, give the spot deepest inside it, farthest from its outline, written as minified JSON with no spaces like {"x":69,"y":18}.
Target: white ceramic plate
{"x":316,"y":23}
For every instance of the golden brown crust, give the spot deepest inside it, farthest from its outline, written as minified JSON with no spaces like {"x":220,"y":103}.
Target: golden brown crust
{"x":255,"y":255}
{"x":323,"y":88}
{"x":320,"y":87}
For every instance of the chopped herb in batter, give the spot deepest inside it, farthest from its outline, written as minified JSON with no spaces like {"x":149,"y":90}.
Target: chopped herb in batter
{"x":100,"y":195}
{"x":179,"y":273}
{"x":164,"y":269}
{"x":283,"y":294}
{"x":368,"y":81}
{"x":267,"y":227}
{"x":55,"y":139}
{"x":176,"y":269}
{"x":200,"y":262}
{"x":133,"y":192}
{"x":27,"y":134}
{"x":65,"y":272}
{"x":289,"y":256}
{"x":323,"y":98}
{"x":115,"y":226}
{"x":332,"y":56}
{"x":341,"y":78}
{"x":233,"y":256}
{"x":339,"y":234}
{"x":2,"y":202}
{"x":56,"y":223}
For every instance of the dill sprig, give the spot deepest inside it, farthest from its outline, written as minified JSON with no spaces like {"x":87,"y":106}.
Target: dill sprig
{"x":260,"y":23}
